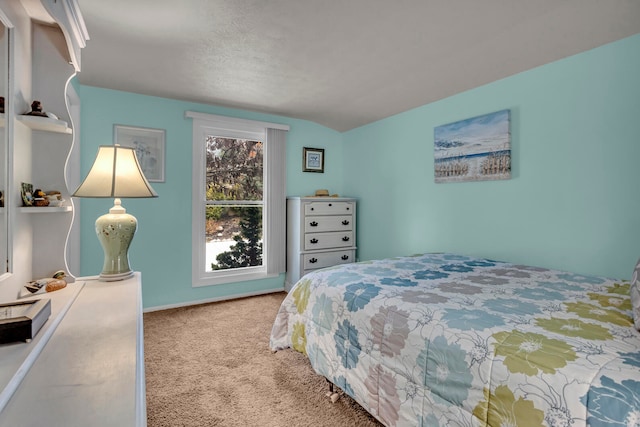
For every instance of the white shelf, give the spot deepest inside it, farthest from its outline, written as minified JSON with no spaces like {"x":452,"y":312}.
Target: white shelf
{"x":44,"y":209}
{"x":46,"y":124}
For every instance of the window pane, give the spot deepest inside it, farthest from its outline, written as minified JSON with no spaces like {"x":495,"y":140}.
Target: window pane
{"x":234,"y":169}
{"x":233,"y":236}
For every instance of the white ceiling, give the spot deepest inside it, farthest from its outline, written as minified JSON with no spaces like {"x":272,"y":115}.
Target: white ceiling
{"x":340,"y":63}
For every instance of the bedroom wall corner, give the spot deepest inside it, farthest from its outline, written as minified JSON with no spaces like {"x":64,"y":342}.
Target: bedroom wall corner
{"x":162,"y":253}
{"x":571,"y":203}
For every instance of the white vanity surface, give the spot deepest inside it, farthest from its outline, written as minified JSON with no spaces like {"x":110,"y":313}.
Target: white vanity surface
{"x":85,"y":367}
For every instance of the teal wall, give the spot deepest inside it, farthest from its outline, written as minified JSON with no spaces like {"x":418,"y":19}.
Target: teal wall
{"x":573,"y":201}
{"x":161,"y":249}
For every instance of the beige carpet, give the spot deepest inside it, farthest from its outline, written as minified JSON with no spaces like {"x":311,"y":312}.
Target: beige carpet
{"x":210,"y":365}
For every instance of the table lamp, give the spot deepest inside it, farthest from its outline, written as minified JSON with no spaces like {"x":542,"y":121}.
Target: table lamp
{"x":115,"y":174}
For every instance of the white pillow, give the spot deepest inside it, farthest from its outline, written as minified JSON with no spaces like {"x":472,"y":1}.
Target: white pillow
{"x":635,"y":295}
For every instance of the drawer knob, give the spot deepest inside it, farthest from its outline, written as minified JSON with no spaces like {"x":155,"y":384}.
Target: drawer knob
{"x":313,"y":224}
{"x":345,"y":257}
{"x":347,"y":208}
{"x":312,"y":208}
{"x":314,"y":240}
{"x":345,"y":239}
{"x":345,"y":222}
{"x":330,"y":204}
{"x":313,"y":260}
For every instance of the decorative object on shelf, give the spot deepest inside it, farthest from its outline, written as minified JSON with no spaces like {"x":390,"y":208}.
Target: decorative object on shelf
{"x":1,"y":199}
{"x":1,"y":104}
{"x":21,"y":321}
{"x":36,"y":110}
{"x":40,"y":198}
{"x":48,"y":284}
{"x":313,"y":160}
{"x":149,"y":145}
{"x":55,"y":199}
{"x":116,"y":173}
{"x":26,"y":190}
{"x":475,"y":149}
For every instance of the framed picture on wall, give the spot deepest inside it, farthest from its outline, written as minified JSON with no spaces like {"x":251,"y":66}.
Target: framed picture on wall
{"x":475,"y":149}
{"x":149,"y":145}
{"x":313,"y":160}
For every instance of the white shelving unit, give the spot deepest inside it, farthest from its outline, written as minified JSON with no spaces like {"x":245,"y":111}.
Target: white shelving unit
{"x":46,"y":148}
{"x":45,"y":209}
{"x":46,"y":124}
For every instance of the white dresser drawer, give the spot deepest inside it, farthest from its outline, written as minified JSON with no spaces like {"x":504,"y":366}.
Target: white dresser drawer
{"x":327,"y":259}
{"x":316,"y":224}
{"x":338,"y":239}
{"x":328,"y":208}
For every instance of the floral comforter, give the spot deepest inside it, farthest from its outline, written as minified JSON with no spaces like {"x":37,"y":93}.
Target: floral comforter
{"x":441,"y":339}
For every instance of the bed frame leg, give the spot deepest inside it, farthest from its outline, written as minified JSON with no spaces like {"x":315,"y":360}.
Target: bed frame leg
{"x":331,"y":394}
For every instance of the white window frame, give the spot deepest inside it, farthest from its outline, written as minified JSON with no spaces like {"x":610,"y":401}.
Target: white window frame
{"x":230,"y":127}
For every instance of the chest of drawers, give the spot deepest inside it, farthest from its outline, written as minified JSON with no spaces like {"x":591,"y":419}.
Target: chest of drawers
{"x":321,"y":232}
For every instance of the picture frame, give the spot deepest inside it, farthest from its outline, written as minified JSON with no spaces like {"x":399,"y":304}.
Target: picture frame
{"x":313,"y":160}
{"x":26,"y":191}
{"x":21,"y":320}
{"x":473,"y":149}
{"x":149,"y":145}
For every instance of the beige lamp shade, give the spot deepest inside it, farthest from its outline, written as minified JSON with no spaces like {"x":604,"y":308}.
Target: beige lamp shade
{"x":115,"y":173}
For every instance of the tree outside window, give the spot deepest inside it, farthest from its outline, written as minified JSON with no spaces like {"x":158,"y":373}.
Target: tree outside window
{"x":234,"y":202}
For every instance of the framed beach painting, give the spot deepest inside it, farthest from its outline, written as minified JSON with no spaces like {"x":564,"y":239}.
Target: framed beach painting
{"x":475,"y":149}
{"x":149,"y":145}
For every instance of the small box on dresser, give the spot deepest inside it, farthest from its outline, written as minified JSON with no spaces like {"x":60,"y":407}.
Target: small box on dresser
{"x":321,"y":232}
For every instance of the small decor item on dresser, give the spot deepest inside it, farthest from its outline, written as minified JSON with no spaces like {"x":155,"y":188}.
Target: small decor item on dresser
{"x":21,"y":321}
{"x":47,"y":284}
{"x":26,"y":190}
{"x":313,"y":160}
{"x":323,"y":193}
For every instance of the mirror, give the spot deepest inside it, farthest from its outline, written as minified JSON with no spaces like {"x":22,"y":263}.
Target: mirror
{"x":5,"y":241}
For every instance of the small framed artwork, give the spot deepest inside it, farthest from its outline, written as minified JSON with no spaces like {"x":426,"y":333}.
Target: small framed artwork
{"x":313,"y":160}
{"x":149,"y":145}
{"x":26,"y":191}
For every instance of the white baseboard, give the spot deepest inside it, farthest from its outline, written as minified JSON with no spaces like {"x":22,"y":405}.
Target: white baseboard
{"x":215,"y":299}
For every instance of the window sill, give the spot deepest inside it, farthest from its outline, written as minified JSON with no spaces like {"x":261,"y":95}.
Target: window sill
{"x":221,"y":277}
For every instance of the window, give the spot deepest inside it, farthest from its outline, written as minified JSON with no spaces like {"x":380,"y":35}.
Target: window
{"x":238,"y":229}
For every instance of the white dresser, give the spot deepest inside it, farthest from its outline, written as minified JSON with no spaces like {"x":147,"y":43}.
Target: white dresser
{"x":321,"y":232}
{"x":85,"y":367}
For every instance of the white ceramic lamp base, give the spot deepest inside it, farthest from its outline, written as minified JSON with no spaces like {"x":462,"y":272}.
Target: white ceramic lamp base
{"x":115,"y":231}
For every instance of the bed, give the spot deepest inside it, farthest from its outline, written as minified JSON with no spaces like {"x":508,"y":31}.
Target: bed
{"x":451,"y":340}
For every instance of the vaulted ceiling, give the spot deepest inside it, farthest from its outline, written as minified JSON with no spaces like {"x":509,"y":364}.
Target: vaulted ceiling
{"x":340,"y":63}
